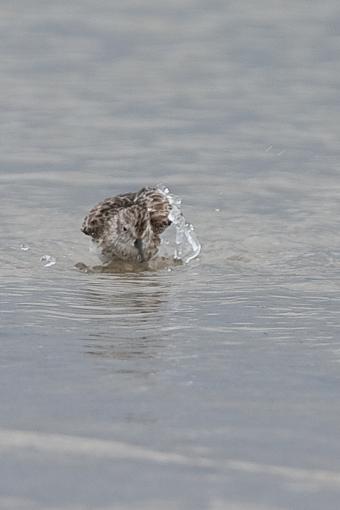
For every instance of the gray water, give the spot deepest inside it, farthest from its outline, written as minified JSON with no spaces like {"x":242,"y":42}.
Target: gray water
{"x":214,"y":385}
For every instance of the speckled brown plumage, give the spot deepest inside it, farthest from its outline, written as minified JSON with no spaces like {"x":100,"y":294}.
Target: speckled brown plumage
{"x":128,"y":227}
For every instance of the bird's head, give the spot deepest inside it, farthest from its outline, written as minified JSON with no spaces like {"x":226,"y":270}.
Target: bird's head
{"x":134,"y":238}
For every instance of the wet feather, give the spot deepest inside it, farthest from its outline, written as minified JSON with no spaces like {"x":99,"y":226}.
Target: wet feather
{"x":127,"y":227}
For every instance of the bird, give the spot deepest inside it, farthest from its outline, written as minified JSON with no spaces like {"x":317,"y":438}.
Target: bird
{"x":127,"y":227}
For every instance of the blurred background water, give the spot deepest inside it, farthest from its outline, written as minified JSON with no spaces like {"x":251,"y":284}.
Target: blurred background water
{"x":213,"y":386}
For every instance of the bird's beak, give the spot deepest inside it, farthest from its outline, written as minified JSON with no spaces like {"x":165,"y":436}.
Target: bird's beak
{"x":139,"y":247}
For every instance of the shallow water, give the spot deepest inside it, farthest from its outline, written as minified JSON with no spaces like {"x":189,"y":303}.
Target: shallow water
{"x":214,"y":385}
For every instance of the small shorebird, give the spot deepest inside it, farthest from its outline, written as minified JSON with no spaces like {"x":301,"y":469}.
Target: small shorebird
{"x":128,"y":227}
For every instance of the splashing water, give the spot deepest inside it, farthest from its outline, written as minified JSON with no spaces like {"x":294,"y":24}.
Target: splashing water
{"x":187,"y":246}
{"x":45,"y":260}
{"x":48,"y":260}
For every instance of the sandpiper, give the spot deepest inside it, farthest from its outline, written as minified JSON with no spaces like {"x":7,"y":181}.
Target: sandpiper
{"x":127,"y":227}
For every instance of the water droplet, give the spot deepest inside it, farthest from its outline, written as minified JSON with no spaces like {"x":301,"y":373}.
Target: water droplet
{"x":24,"y":247}
{"x":163,"y":189}
{"x":48,"y":260}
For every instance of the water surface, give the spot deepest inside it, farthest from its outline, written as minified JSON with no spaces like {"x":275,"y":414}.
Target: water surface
{"x":214,"y":385}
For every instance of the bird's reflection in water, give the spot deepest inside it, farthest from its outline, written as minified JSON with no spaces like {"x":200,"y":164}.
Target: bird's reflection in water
{"x":127,"y":314}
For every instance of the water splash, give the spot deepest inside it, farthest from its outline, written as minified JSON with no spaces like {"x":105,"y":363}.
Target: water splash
{"x":187,"y":246}
{"x":48,"y":260}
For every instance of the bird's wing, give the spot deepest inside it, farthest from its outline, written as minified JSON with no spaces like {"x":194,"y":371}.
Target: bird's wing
{"x":94,"y":223}
{"x":158,"y":207}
